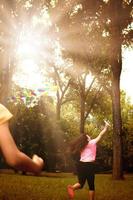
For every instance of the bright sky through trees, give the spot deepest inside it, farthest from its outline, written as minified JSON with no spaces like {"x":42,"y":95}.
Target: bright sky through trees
{"x":127,"y":73}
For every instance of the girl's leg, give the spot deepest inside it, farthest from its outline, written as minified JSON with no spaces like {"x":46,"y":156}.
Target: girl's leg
{"x":14,"y":157}
{"x":91,"y":194}
{"x":91,"y":181}
{"x":80,"y":183}
{"x":76,"y":186}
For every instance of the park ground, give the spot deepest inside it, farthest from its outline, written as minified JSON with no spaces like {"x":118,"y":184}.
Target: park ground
{"x":52,"y":186}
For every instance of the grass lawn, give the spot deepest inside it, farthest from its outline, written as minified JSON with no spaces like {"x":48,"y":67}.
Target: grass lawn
{"x":50,"y":186}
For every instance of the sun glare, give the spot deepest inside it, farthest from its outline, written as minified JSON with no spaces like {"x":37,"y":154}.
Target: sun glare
{"x":28,"y":44}
{"x":25,"y":49}
{"x":28,"y":50}
{"x":28,"y":66}
{"x":28,"y":75}
{"x":89,"y":80}
{"x":31,"y":50}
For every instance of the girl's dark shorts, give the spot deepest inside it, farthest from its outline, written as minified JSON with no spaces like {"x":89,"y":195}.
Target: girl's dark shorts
{"x":86,"y":171}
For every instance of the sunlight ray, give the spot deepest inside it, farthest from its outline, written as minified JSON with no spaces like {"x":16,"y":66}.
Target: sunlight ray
{"x":4,"y":12}
{"x":60,"y":11}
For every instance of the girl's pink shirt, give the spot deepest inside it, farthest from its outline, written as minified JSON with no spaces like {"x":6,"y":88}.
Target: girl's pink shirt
{"x":88,"y":154}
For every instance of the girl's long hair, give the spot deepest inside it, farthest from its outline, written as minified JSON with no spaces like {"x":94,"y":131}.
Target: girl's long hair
{"x":79,"y":144}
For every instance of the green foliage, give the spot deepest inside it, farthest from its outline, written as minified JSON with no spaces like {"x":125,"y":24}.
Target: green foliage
{"x":34,"y":132}
{"x":70,"y":121}
{"x":26,"y":129}
{"x":127,"y":117}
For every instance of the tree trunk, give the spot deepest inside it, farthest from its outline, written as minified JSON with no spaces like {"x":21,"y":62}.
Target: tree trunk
{"x":58,"y":110}
{"x":58,"y":106}
{"x":117,"y":122}
{"x":116,"y":64}
{"x":6,"y":73}
{"x":117,"y":133}
{"x":5,"y":84}
{"x":82,"y":114}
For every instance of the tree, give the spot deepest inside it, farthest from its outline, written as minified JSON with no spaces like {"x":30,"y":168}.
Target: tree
{"x":62,"y":82}
{"x":120,"y":34}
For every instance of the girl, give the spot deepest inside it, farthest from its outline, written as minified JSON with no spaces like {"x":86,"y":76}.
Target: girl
{"x":83,"y":150}
{"x":13,"y":156}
